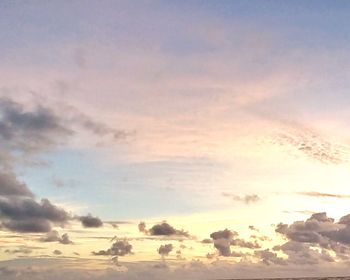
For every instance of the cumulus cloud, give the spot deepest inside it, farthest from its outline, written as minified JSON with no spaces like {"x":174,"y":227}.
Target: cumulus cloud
{"x":164,"y":229}
{"x":319,"y":230}
{"x":142,"y":227}
{"x":302,"y":253}
{"x":90,"y":222}
{"x":27,"y":215}
{"x":164,"y":250}
{"x":118,"y":248}
{"x":224,"y":239}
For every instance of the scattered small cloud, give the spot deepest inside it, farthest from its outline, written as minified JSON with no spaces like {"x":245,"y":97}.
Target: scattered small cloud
{"x":57,"y":252}
{"x":90,"y":222}
{"x":247,"y":199}
{"x":164,"y":250}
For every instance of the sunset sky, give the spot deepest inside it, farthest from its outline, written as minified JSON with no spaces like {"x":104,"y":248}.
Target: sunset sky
{"x":151,"y":140}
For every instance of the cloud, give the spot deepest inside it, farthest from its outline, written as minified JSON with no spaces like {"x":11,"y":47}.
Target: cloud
{"x":26,"y":132}
{"x":207,"y":241}
{"x":320,"y":230}
{"x":224,"y":239}
{"x":164,"y":250}
{"x":22,"y":250}
{"x":247,"y":199}
{"x":57,"y":252}
{"x":326,"y":195}
{"x":302,"y":254}
{"x":268,"y":257}
{"x":119,"y":248}
{"x":27,"y":215}
{"x":245,"y":244}
{"x":53,"y":236}
{"x":10,"y":186}
{"x":98,"y":128}
{"x":142,"y":227}
{"x":29,"y":131}
{"x":253,"y":228}
{"x":90,"y":222}
{"x":312,"y":144}
{"x":164,"y":229}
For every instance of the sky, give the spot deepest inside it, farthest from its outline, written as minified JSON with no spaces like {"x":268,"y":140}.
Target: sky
{"x":174,"y":139}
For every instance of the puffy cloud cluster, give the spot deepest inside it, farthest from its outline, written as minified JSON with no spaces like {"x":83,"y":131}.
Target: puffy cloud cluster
{"x":224,"y":239}
{"x":319,"y":230}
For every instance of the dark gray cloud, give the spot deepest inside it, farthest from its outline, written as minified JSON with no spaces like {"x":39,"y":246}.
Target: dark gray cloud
{"x":164,"y":250}
{"x":222,"y":241}
{"x":10,"y":186}
{"x":19,"y":211}
{"x":27,"y":215}
{"x":26,"y":132}
{"x":164,"y":229}
{"x":223,"y":234}
{"x":247,"y":199}
{"x":90,"y":222}
{"x":29,"y":131}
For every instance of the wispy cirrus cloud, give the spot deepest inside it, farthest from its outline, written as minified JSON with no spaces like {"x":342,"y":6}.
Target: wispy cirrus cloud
{"x":325,"y":195}
{"x":311,"y":143}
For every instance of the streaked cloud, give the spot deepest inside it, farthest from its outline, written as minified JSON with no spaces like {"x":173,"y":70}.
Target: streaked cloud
{"x":325,"y":195}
